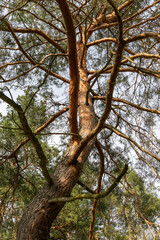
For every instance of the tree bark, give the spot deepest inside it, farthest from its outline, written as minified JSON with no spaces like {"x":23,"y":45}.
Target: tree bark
{"x":39,"y":215}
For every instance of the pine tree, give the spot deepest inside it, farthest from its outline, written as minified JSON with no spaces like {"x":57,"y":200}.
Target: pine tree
{"x":81,"y":82}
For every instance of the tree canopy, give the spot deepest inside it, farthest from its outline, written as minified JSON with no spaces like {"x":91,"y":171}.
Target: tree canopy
{"x":79,"y":142}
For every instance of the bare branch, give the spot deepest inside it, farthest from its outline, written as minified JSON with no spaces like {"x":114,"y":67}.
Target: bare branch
{"x":142,"y":22}
{"x":13,"y":63}
{"x":34,"y":31}
{"x":142,"y":36}
{"x":13,"y":10}
{"x":101,"y":171}
{"x":19,"y":44}
{"x":118,"y":132}
{"x":146,"y":162}
{"x":136,"y":106}
{"x":73,"y":66}
{"x":141,"y":11}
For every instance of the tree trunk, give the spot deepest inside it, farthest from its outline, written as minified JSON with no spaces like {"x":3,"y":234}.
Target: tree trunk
{"x":39,"y":215}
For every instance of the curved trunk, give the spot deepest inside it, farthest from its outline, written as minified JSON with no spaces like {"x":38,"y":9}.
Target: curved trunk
{"x":39,"y":215}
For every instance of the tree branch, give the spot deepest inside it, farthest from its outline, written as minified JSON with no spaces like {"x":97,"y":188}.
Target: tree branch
{"x":144,"y":160}
{"x":141,"y":23}
{"x":38,"y":130}
{"x":118,"y":19}
{"x":92,"y":196}
{"x":85,"y":187}
{"x":34,"y":31}
{"x":31,"y":136}
{"x":130,"y":104}
{"x":106,"y":21}
{"x":73,"y":66}
{"x":141,"y":11}
{"x":18,"y":43}
{"x":101,"y":171}
{"x":118,"y":132}
{"x":142,"y":36}
{"x":136,"y":106}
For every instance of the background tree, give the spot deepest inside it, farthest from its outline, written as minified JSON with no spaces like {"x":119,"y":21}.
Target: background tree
{"x":88,"y":75}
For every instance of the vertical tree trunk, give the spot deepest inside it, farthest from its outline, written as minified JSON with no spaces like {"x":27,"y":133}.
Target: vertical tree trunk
{"x":39,"y":215}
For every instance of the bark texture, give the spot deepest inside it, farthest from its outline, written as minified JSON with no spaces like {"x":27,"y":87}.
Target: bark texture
{"x":39,"y":215}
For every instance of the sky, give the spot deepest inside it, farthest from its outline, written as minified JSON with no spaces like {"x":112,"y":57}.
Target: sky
{"x":3,"y":107}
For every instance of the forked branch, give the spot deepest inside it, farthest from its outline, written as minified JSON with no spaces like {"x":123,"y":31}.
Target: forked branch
{"x":92,"y":196}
